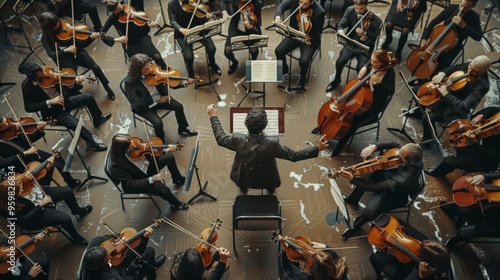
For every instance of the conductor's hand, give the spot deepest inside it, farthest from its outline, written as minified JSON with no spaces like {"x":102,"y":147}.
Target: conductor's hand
{"x":346,"y":174}
{"x":323,"y":143}
{"x":224,"y":254}
{"x":212,"y":110}
{"x":368,"y":151}
{"x":58,"y":100}
{"x":158,"y":177}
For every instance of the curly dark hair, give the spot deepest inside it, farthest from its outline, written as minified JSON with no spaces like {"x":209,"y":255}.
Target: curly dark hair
{"x":256,"y":120}
{"x":137,"y":61}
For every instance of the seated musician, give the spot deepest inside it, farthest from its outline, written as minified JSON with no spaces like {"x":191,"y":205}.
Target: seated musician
{"x":188,"y":265}
{"x":466,"y":25}
{"x":390,"y":188}
{"x":261,"y":169}
{"x":135,"y":180}
{"x":70,"y":56}
{"x":55,"y":105}
{"x":459,"y":103}
{"x":24,"y":269}
{"x":431,"y":253}
{"x":9,"y":149}
{"x":365,"y":32}
{"x":399,"y":16}
{"x":477,"y":156}
{"x":477,"y":220}
{"x":138,"y":40}
{"x":146,"y":100}
{"x":95,"y":260}
{"x":310,"y":13}
{"x":40,"y":213}
{"x":81,"y":7}
{"x":246,"y":22}
{"x":180,"y":19}
{"x":382,"y":83}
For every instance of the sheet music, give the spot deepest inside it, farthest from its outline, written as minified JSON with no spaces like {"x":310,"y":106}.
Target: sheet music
{"x":264,"y":70}
{"x":248,"y":41}
{"x":205,"y":30}
{"x":342,"y":39}
{"x":272,"y":123}
{"x":290,"y":32}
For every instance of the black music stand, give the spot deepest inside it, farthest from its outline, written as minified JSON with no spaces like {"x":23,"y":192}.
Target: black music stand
{"x":342,"y":210}
{"x":71,"y":152}
{"x":192,"y":169}
{"x":330,"y":17}
{"x":19,"y":8}
{"x":261,"y":71}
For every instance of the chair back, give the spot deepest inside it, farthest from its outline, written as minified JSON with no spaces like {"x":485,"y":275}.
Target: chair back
{"x":413,"y":196}
{"x":108,"y":169}
{"x":256,"y":212}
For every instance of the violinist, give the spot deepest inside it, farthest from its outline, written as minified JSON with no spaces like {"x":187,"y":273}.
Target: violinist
{"x":25,"y":270}
{"x":70,"y":56}
{"x":138,"y":40}
{"x":477,"y":220}
{"x":477,"y":156}
{"x":312,"y":17}
{"x":246,"y":22}
{"x":180,"y":19}
{"x":365,"y":32}
{"x":63,"y":8}
{"x":460,"y":102}
{"x":95,"y":266}
{"x":390,"y":188}
{"x":146,"y":100}
{"x":135,"y":180}
{"x":55,"y":105}
{"x":188,"y":265}
{"x":404,"y":17}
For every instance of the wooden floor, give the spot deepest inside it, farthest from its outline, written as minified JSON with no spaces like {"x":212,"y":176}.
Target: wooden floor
{"x":307,"y":205}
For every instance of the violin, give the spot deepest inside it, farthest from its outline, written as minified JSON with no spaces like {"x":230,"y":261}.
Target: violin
{"x":117,"y":249}
{"x":387,"y":233}
{"x":409,"y":6}
{"x":142,"y":148}
{"x":423,"y":62}
{"x":299,"y":249}
{"x":485,"y":129}
{"x":466,"y":194}
{"x":50,"y":77}
{"x":247,"y":13}
{"x":29,"y":124}
{"x":81,"y":32}
{"x":201,"y":10}
{"x":428,"y":94}
{"x":305,"y":23}
{"x":138,"y":18}
{"x":25,"y":243}
{"x":209,"y":236}
{"x":388,"y":159}
{"x":172,"y":77}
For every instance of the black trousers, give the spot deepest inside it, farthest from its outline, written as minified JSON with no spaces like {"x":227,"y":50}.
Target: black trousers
{"x":234,"y":31}
{"x":187,"y":52}
{"x":346,"y":54}
{"x":306,"y":54}
{"x":152,"y":116}
{"x":145,"y":45}
{"x":466,"y":159}
{"x":163,"y":160}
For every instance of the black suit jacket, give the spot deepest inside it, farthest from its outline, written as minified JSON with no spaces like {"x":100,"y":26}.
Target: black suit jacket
{"x":131,"y":176}
{"x":138,"y":95}
{"x":349,"y":20}
{"x":180,"y":19}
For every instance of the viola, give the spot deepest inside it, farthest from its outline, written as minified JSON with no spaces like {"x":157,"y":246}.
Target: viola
{"x":81,"y":32}
{"x":422,"y":63}
{"x":209,"y":236}
{"x":428,"y":94}
{"x":50,"y":77}
{"x":485,"y":129}
{"x":247,"y":13}
{"x":409,"y":6}
{"x":29,"y":124}
{"x":388,"y":159}
{"x":142,"y":148}
{"x":466,"y":194}
{"x":298,"y":249}
{"x":138,"y":18}
{"x":201,"y":10}
{"x":387,"y":233}
{"x":115,"y":247}
{"x":305,"y":23}
{"x":25,"y":243}
{"x":171,"y":77}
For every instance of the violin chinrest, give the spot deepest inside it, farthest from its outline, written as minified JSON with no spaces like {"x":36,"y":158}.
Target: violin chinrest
{"x":382,"y":220}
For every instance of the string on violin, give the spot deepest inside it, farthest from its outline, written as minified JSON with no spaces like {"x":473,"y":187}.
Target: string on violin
{"x":32,"y":176}
{"x":151,"y":148}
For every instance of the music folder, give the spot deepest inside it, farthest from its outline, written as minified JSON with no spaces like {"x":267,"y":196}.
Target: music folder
{"x":290,"y":32}
{"x":342,"y":39}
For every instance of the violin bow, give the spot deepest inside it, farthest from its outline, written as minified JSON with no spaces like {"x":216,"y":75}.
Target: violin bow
{"x":35,"y":181}
{"x":73,"y":23}
{"x":292,"y":13}
{"x":359,"y":23}
{"x":21,"y":250}
{"x":126,"y":25}
{"x":240,"y":9}
{"x":192,"y":16}
{"x":59,"y":73}
{"x":152,"y":150}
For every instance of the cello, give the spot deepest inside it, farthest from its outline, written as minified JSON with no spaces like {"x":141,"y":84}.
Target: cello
{"x":485,"y":129}
{"x":428,"y":94}
{"x":466,"y":194}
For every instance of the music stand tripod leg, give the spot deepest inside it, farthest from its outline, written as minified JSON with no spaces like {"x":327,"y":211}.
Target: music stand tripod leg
{"x":202,"y":191}
{"x":90,"y":176}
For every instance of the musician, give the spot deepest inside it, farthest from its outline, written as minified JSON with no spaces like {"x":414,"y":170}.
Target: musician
{"x":477,"y":156}
{"x":34,"y":217}
{"x":398,"y":16}
{"x":146,"y":100}
{"x":181,"y":22}
{"x":25,"y":270}
{"x":241,"y":24}
{"x":390,"y":188}
{"x":138,"y":40}
{"x":63,"y":8}
{"x":189,"y":266}
{"x":70,"y":56}
{"x":432,"y":253}
{"x":459,"y":103}
{"x":316,"y":18}
{"x":382,"y":84}
{"x":259,"y":169}
{"x":477,"y":221}
{"x":53,"y":105}
{"x":468,"y":25}
{"x":366,"y":36}
{"x":95,"y":266}
{"x":135,"y":180}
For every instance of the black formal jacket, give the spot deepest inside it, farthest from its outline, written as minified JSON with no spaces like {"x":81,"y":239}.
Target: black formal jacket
{"x":349,"y":20}
{"x":255,"y":163}
{"x":138,"y":95}
{"x":317,"y":18}
{"x":180,"y":19}
{"x":131,"y":176}
{"x":27,"y":215}
{"x":35,"y":99}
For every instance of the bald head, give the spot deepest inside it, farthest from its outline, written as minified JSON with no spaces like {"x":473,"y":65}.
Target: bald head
{"x":481,"y":64}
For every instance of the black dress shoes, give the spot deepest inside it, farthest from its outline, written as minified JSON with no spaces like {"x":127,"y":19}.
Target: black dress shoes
{"x":102,"y":119}
{"x":160,"y":260}
{"x":187,"y":132}
{"x":214,"y":68}
{"x":431,"y":172}
{"x":75,"y":183}
{"x":302,"y":83}
{"x":315,"y":131}
{"x":233,"y":67}
{"x":83,"y":212}
{"x":332,"y":85}
{"x":179,"y":182}
{"x":100,"y":147}
{"x":348,"y":233}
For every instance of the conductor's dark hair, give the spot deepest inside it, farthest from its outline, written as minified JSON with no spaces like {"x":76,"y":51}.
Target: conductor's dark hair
{"x":256,"y":120}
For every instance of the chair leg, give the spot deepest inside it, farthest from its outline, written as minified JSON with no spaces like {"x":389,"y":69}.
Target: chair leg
{"x":123,"y":204}
{"x":378,"y":130}
{"x":59,"y":228}
{"x":135,"y":125}
{"x":234,"y":242}
{"x":408,"y":214}
{"x":157,"y":207}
